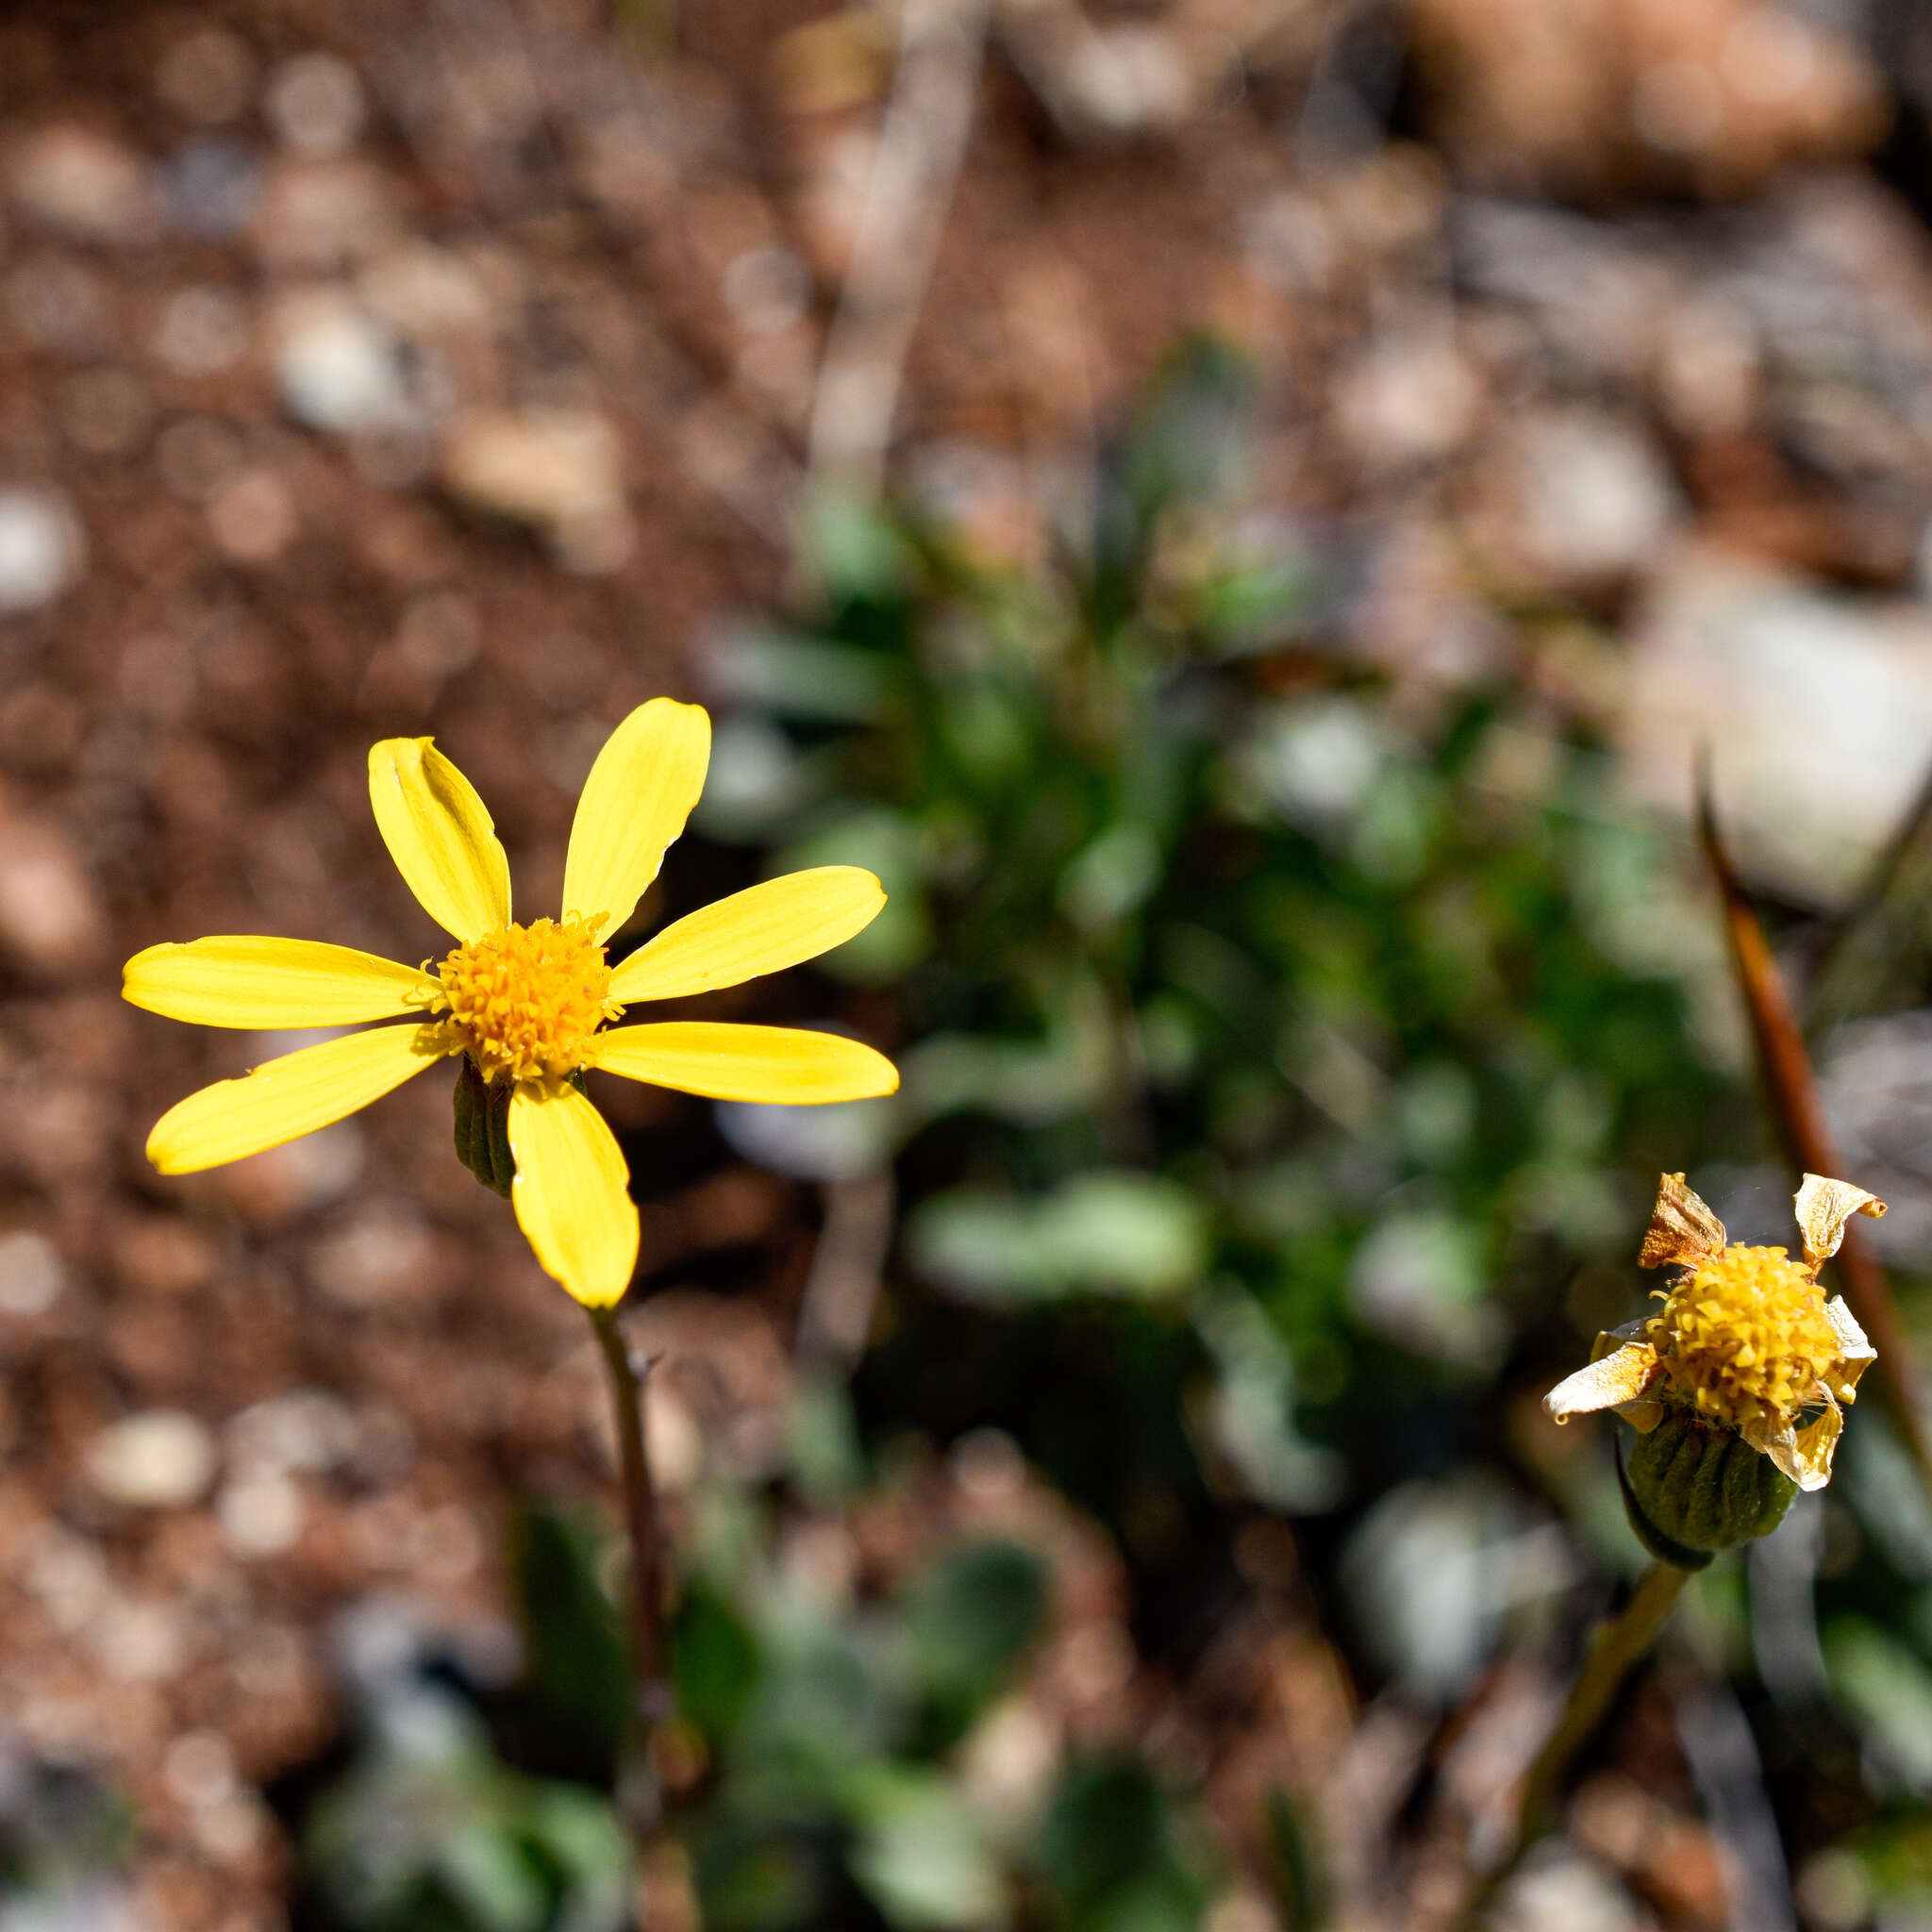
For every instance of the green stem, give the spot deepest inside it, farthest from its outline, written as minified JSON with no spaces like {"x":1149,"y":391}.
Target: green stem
{"x":1616,"y":1647}
{"x":652,"y":1699}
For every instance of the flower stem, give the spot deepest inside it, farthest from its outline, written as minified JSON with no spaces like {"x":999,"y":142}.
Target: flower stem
{"x":651,"y":1697}
{"x":1615,"y":1648}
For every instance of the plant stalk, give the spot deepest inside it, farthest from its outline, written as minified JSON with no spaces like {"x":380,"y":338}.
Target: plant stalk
{"x":652,"y":1698}
{"x":1616,"y":1647}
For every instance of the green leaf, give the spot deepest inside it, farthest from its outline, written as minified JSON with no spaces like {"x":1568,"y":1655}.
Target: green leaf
{"x":1106,"y":1848}
{"x":923,"y":1859}
{"x":1113,"y":1232}
{"x":714,"y":1661}
{"x":576,"y":1678}
{"x":973,"y":1616}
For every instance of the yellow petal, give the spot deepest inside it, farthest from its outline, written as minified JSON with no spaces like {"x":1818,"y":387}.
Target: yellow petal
{"x":439,"y":835}
{"x":635,"y":802}
{"x":285,"y":1098}
{"x":785,"y":1065}
{"x":763,"y":929}
{"x":1823,"y":1208}
{"x":572,"y":1193}
{"x":1623,"y":1376}
{"x":264,"y":982}
{"x":1682,"y":1229}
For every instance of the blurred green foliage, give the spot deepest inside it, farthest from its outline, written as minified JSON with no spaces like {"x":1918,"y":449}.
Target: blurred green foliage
{"x":1241,"y":988}
{"x":832,"y":1725}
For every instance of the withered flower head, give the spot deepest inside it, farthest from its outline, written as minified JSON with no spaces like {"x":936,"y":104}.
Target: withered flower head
{"x":1745,"y":1339}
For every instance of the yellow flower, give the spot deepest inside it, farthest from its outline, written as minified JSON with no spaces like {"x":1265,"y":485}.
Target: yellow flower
{"x":529,"y":1005}
{"x":1746,"y":1340}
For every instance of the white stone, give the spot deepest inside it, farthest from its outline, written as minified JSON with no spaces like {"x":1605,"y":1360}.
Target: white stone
{"x":31,"y":1273}
{"x":260,"y":1512}
{"x":1595,"y":498}
{"x":338,"y":370}
{"x":1816,"y":705}
{"x":1411,"y":397}
{"x":41,"y":550}
{"x":157,"y":1459}
{"x":303,"y":1430}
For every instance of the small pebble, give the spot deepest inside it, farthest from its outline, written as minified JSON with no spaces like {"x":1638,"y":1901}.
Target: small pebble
{"x":260,"y":1513}
{"x":41,"y":548}
{"x":203,"y":330}
{"x":304,"y":1429}
{"x":199,"y":1769}
{"x":211,"y":188}
{"x":315,"y":217}
{"x":52,"y":920}
{"x":83,"y":186}
{"x":158,"y":1459}
{"x":31,"y":1273}
{"x":316,"y":104}
{"x":560,"y":471}
{"x":338,"y":370}
{"x":253,"y":519}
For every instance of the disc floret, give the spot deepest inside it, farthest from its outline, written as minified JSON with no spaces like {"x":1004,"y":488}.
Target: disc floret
{"x":1745,"y":1339}
{"x":524,"y":1001}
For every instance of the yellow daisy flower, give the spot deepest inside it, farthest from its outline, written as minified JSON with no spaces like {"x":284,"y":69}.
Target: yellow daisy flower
{"x":530,"y":1006}
{"x":1746,"y":1340}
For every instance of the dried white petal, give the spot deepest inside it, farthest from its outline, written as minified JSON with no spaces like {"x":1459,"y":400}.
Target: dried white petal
{"x":1823,"y":1208}
{"x":1816,"y":1443}
{"x":1778,"y":1441}
{"x":1855,"y":1352}
{"x":1623,"y":1376}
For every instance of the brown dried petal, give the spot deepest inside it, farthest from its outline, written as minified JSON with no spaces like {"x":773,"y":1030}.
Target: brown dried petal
{"x":1682,"y":1229}
{"x":1823,"y":1208}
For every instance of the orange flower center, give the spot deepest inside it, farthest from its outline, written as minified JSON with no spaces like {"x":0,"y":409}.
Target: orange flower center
{"x":524,"y":1000}
{"x":1746,"y":1336}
